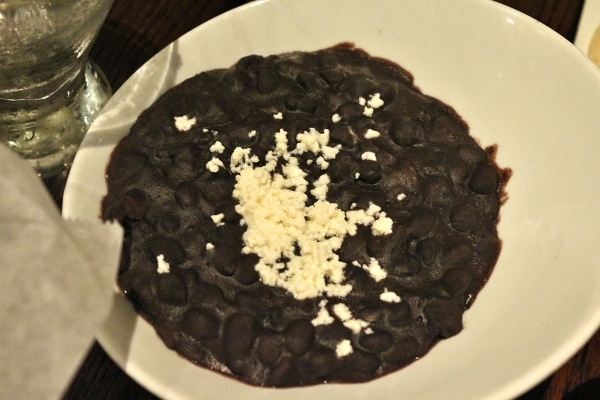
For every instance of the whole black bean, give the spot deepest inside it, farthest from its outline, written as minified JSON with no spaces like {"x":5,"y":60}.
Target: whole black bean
{"x":322,"y":361}
{"x":199,"y":324}
{"x":169,"y":248}
{"x":377,"y":341}
{"x":465,"y":218}
{"x":239,"y":334}
{"x":299,"y":336}
{"x":457,"y":281}
{"x":187,"y":195}
{"x":269,"y":348}
{"x":444,"y":317}
{"x":136,"y":204}
{"x":485,"y":180}
{"x":171,"y":289}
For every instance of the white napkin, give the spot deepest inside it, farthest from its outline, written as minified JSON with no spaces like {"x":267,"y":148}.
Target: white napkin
{"x":56,"y":285}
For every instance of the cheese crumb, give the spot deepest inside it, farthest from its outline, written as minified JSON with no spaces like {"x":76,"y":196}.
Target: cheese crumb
{"x":344,"y":348}
{"x":356,"y":325}
{"x":374,"y":269}
{"x":252,"y":133}
{"x":372,"y":134}
{"x":163,"y":266}
{"x":342,"y":311}
{"x":345,"y":315}
{"x":183,"y":123}
{"x":240,"y":159}
{"x":375,"y":101}
{"x":218,"y":219}
{"x":382,"y":225}
{"x":214,"y":165}
{"x":278,"y":115}
{"x":322,"y":163}
{"x":209,"y":246}
{"x":323,"y":317}
{"x":320,"y":187}
{"x":371,"y":105}
{"x":401,"y":197}
{"x":368,"y":155}
{"x":389,"y":297}
{"x":217,"y":147}
{"x":317,"y":143}
{"x":335,"y":118}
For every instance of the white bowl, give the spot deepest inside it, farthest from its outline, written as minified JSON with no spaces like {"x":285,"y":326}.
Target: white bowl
{"x":517,"y":84}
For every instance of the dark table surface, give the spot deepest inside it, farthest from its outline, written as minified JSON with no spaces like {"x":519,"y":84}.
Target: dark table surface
{"x":135,"y":30}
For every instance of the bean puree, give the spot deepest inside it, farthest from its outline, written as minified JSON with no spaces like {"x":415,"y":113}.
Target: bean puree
{"x":331,"y":135}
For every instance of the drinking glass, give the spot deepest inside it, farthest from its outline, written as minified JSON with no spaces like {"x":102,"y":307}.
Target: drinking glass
{"x":50,"y":91}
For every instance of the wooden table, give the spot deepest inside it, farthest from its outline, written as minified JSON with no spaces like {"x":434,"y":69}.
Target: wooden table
{"x":135,"y":30}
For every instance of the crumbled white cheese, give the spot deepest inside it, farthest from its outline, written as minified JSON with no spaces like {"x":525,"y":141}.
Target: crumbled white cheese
{"x":375,"y":101}
{"x":401,"y":197}
{"x":342,"y":312}
{"x":281,"y":142}
{"x":209,"y":246}
{"x":218,"y":219}
{"x":252,"y":134}
{"x":335,"y":118}
{"x":317,"y":143}
{"x":163,"y":266}
{"x":375,"y":270}
{"x":323,"y":317}
{"x":184,"y":123}
{"x":241,"y":158}
{"x":345,"y":315}
{"x":358,"y":217}
{"x":370,"y":105}
{"x":356,"y":325}
{"x":373,"y":209}
{"x":214,"y":164}
{"x":389,"y":297}
{"x":344,"y":348}
{"x":320,"y":187}
{"x":382,"y":225}
{"x":280,"y":223}
{"x":278,"y":115}
{"x":368,"y":155}
{"x":322,"y":163}
{"x":278,"y":220}
{"x":217,"y":147}
{"x":372,"y":134}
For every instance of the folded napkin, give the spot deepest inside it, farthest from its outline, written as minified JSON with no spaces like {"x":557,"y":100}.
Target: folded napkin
{"x":56,"y":282}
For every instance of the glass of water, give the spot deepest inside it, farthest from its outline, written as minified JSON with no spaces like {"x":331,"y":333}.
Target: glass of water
{"x":50,"y":92}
